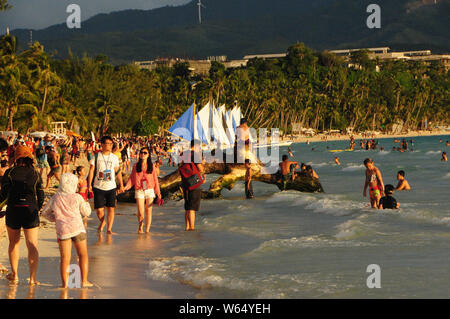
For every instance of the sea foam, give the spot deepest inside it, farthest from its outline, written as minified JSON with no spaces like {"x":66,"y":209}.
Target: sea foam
{"x":351,"y":168}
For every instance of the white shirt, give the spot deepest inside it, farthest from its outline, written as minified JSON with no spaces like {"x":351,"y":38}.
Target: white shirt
{"x":109,"y":164}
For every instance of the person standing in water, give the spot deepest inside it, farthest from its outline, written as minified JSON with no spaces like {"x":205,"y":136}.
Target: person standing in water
{"x":388,"y":202}
{"x":403,"y":184}
{"x":248,"y":180}
{"x":374,"y":181}
{"x":444,"y":157}
{"x":192,"y":177}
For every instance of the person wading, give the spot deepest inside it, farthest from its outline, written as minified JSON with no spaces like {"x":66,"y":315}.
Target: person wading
{"x":191,"y":171}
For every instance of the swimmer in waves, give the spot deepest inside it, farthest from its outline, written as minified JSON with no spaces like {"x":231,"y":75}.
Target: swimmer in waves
{"x":374,"y":181}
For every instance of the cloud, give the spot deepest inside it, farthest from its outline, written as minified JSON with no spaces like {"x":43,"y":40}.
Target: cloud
{"x":39,"y":14}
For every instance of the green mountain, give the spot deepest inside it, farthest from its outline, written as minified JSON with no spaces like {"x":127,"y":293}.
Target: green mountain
{"x":239,"y":27}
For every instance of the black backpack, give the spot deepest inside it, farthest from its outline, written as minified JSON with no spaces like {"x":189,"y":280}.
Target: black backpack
{"x":22,"y":193}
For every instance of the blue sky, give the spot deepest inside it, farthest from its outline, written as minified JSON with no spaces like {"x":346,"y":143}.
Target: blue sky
{"x":38,"y":14}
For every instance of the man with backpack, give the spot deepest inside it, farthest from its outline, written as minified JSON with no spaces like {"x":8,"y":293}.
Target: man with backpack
{"x":192,"y":178}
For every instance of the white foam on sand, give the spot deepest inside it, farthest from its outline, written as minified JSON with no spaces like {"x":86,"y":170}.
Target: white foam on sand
{"x":197,"y":271}
{"x":433,"y":153}
{"x":204,"y":273}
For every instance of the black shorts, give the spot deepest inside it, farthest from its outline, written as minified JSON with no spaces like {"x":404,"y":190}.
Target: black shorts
{"x":104,"y":198}
{"x":192,"y":199}
{"x":22,"y":217}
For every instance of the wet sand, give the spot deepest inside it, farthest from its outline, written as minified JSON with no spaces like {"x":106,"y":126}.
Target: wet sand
{"x":118,"y":264}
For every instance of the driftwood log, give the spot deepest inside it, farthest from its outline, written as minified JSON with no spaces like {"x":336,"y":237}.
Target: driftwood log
{"x":170,"y":185}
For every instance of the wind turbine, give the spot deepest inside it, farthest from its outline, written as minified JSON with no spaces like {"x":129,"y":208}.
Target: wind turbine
{"x":200,"y":5}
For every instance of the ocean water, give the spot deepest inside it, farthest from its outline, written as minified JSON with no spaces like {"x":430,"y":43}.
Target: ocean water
{"x":300,"y":245}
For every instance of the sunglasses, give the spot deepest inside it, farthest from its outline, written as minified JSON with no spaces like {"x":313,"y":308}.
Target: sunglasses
{"x":144,"y":153}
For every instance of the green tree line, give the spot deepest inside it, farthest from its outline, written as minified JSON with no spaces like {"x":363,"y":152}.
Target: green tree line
{"x":316,"y":89}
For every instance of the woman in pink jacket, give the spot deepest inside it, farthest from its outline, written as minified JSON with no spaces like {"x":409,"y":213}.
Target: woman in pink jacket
{"x":144,"y":178}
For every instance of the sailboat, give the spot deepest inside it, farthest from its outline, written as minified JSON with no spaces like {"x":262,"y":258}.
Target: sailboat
{"x":214,"y":127}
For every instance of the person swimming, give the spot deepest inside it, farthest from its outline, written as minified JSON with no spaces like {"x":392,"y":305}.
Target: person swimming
{"x":336,"y":160}
{"x":388,"y":201}
{"x":374,"y":181}
{"x":403,"y":184}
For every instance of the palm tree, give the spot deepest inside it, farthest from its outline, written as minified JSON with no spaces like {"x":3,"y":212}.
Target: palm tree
{"x":12,"y":73}
{"x":4,"y":5}
{"x":105,"y":106}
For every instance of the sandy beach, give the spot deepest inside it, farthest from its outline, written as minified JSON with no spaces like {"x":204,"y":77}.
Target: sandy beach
{"x":117,"y":263}
{"x":341,"y":137}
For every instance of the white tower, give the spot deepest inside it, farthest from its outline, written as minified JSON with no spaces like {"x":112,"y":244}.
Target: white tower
{"x":200,"y":5}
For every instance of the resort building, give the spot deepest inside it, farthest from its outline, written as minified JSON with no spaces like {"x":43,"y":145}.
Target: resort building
{"x":383,"y":53}
{"x":202,"y":67}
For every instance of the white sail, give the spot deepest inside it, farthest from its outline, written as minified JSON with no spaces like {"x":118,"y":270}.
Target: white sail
{"x":236,"y":117}
{"x":231,"y":132}
{"x":218,"y":128}
{"x":204,"y":119}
